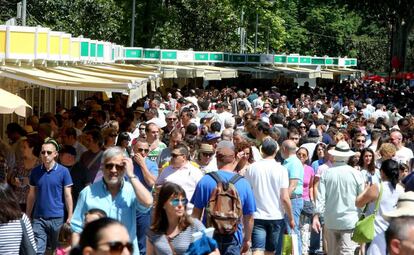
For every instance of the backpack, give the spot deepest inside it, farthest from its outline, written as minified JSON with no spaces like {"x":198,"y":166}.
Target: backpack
{"x":224,"y":209}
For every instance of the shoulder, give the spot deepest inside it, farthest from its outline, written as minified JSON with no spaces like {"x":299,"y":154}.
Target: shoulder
{"x":198,"y":225}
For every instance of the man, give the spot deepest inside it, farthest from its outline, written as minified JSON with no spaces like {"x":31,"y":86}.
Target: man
{"x":295,"y":172}
{"x":270,"y":182}
{"x":152,"y":132}
{"x":91,"y":159}
{"x":49,"y":192}
{"x":69,"y":137}
{"x":240,"y":241}
{"x":171,"y":119}
{"x":118,"y":198}
{"x":181,"y":172}
{"x":147,"y":172}
{"x":358,"y":142}
{"x":293,"y":134}
{"x":277,"y":120}
{"x":403,"y":154}
{"x":267,"y":111}
{"x":223,"y":113}
{"x":165,"y":155}
{"x":400,"y":233}
{"x":337,"y":192}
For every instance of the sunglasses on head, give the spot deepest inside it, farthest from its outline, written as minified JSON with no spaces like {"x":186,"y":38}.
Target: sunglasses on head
{"x":117,"y":247}
{"x":110,"y":166}
{"x":48,"y":152}
{"x":175,"y":202}
{"x":143,"y":150}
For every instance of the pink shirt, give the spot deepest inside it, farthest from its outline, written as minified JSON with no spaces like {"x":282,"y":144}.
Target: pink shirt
{"x":307,"y":176}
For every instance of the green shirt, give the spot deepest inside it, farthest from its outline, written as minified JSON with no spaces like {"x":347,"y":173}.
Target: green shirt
{"x":153,"y":155}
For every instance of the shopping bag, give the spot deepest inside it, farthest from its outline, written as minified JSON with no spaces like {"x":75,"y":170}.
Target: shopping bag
{"x":290,"y":244}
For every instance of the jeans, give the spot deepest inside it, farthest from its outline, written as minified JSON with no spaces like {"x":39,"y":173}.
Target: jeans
{"x":143,"y":224}
{"x":267,"y":235}
{"x":315,"y":239}
{"x":46,"y":231}
{"x":227,"y":244}
{"x":297,"y":206}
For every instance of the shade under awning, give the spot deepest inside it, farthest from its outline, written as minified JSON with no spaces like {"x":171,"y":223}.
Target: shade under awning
{"x":225,"y":72}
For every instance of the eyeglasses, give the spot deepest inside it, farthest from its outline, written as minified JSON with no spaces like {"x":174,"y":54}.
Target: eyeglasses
{"x":174,"y":155}
{"x":110,"y":166}
{"x":142,"y":128}
{"x":48,"y":152}
{"x":172,"y":119}
{"x":117,"y":247}
{"x":360,"y":140}
{"x":207,"y":154}
{"x":302,"y":127}
{"x":175,"y":202}
{"x":143,"y":150}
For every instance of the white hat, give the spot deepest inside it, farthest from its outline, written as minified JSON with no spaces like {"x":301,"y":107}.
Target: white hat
{"x":405,"y":206}
{"x":341,"y":150}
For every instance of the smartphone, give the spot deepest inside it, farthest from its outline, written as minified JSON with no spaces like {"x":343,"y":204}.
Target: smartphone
{"x":209,"y":232}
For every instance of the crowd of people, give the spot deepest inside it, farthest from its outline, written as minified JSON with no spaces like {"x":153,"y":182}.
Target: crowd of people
{"x":253,"y":163}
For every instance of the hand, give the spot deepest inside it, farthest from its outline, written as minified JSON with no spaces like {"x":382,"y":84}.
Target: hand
{"x":316,"y":225}
{"x":245,"y":247}
{"x":129,"y":168}
{"x":69,"y":219}
{"x":240,"y":155}
{"x":292,"y":223}
{"x":139,"y":159}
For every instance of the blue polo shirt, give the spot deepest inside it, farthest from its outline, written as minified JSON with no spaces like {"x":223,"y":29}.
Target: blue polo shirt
{"x":295,"y":171}
{"x":49,"y":190}
{"x":152,"y":167}
{"x":122,"y":207}
{"x":206,"y":186}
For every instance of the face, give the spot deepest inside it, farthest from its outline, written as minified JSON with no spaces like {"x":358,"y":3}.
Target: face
{"x":403,"y":247}
{"x":142,"y":129}
{"x":205,"y":157}
{"x":141,"y":148}
{"x":396,"y":138}
{"x":175,"y":206}
{"x":113,"y":170}
{"x":266,"y":108}
{"x":237,"y":139}
{"x":174,"y":140}
{"x":89,"y":143}
{"x":368,"y":158}
{"x":360,"y":142}
{"x":246,"y":153}
{"x":403,"y":173}
{"x":302,"y":155}
{"x":153,"y":133}
{"x":177,"y":159}
{"x":320,"y":151}
{"x":171,"y":120}
{"x":113,"y":241}
{"x":25,"y":149}
{"x":48,"y":153}
{"x":295,"y":138}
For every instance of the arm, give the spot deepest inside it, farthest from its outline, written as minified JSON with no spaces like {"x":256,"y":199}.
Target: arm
{"x":197,"y":213}
{"x":142,"y":194}
{"x":150,"y":248}
{"x":370,"y":194}
{"x":311,"y":196}
{"x":284,"y":196}
{"x":292,"y":185}
{"x":315,"y":187}
{"x":69,"y":202}
{"x":75,"y":239}
{"x":248,"y":228}
{"x":31,"y":196}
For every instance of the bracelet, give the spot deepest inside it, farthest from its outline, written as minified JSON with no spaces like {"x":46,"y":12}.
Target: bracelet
{"x":132,"y":177}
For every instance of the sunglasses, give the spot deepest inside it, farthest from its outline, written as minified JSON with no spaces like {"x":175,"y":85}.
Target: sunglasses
{"x":172,"y":119}
{"x":48,"y":152}
{"x":143,"y":150}
{"x":117,"y":247}
{"x":110,"y":166}
{"x":175,"y":202}
{"x":207,"y":154}
{"x":360,"y":141}
{"x":176,"y":155}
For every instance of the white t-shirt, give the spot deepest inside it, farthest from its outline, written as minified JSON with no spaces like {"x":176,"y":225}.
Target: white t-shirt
{"x":267,"y":177}
{"x":403,"y":155}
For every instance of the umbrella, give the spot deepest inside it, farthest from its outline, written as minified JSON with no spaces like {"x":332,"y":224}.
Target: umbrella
{"x":10,"y":103}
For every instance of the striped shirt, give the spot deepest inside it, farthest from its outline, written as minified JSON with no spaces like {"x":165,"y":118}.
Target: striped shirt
{"x":11,"y":236}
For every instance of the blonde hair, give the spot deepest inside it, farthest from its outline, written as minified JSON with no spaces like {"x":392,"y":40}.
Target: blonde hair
{"x":387,"y":149}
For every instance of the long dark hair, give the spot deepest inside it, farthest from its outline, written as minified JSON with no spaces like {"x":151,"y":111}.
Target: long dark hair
{"x":315,"y":152}
{"x":10,"y":209}
{"x":92,"y":233}
{"x":160,"y":221}
{"x":390,"y":168}
{"x":371,"y":166}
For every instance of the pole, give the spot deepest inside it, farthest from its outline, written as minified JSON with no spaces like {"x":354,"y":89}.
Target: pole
{"x":133,"y":23}
{"x":241,"y":31}
{"x":24,"y":12}
{"x":255,"y":35}
{"x":268,"y":38}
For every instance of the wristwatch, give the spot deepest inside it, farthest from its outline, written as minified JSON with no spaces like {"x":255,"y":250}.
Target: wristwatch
{"x":132,"y":177}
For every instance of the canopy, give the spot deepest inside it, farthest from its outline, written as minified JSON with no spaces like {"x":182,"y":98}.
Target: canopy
{"x":10,"y":103}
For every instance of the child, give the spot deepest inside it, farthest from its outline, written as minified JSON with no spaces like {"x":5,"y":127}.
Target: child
{"x":64,"y":240}
{"x":93,"y":214}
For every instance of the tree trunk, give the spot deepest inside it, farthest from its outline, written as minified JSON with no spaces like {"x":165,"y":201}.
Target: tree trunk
{"x":401,"y":31}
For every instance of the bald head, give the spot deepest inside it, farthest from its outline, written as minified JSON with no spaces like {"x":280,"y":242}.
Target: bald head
{"x":288,"y":148}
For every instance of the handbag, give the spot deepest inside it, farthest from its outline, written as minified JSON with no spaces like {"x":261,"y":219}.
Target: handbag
{"x":364,"y":230}
{"x":290,"y":244}
{"x":26,"y":247}
{"x":203,"y":246}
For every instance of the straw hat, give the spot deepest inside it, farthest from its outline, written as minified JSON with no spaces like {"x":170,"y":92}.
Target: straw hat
{"x":405,"y":207}
{"x":205,"y":147}
{"x":341,"y":150}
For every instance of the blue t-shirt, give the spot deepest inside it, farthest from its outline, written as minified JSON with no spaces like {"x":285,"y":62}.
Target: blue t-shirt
{"x":295,"y":171}
{"x":49,"y":190}
{"x":207,"y":185}
{"x":152,"y":167}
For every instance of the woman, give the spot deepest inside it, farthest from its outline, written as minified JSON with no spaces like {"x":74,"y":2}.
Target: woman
{"x":244,"y":157}
{"x":318,"y":157}
{"x":10,"y":222}
{"x":367,"y":164}
{"x":104,"y":236}
{"x":109,"y":135}
{"x":123,"y":142}
{"x":307,"y":195}
{"x":385,"y":151}
{"x":172,"y":228}
{"x":389,"y":175}
{"x":19,"y":176}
